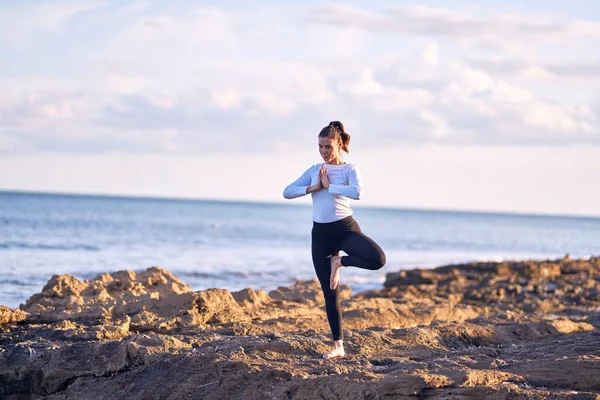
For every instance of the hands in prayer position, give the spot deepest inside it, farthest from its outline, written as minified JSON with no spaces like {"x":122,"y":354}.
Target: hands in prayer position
{"x":323,"y":176}
{"x":323,"y":181}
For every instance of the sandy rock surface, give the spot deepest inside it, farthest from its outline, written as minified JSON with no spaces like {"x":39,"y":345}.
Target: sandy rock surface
{"x":517,"y":330}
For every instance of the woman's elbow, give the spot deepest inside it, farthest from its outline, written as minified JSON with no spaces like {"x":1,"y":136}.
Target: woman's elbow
{"x":288,"y":193}
{"x":358,"y":193}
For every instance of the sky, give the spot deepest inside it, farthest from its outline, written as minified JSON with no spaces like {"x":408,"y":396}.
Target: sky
{"x":460,"y":105}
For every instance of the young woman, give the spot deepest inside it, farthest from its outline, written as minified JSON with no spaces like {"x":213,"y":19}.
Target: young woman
{"x":332,"y":184}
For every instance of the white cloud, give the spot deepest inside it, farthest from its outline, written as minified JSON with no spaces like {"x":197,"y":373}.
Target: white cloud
{"x":429,"y":56}
{"x":126,"y":85}
{"x":52,"y":16}
{"x":478,"y":82}
{"x":364,"y":86}
{"x":442,"y":22}
{"x":468,"y":106}
{"x":398,"y":99}
{"x":557,"y":118}
{"x":272,"y":104}
{"x":63,"y":109}
{"x":227,"y":98}
{"x":193,"y":78}
{"x":437,"y":123}
{"x":177,"y":38}
{"x":565,"y":73}
{"x":21,"y":23}
{"x":347,"y":42}
{"x":537,"y":73}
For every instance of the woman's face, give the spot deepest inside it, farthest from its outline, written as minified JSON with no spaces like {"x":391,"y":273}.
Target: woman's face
{"x":329,"y":149}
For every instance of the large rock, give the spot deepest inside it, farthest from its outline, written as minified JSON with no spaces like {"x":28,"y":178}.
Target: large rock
{"x":8,"y":315}
{"x":122,"y":292}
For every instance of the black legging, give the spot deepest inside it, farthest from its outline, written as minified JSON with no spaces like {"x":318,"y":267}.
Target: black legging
{"x":328,"y":239}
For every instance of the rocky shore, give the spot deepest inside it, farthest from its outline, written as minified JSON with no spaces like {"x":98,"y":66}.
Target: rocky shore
{"x":511,"y":330}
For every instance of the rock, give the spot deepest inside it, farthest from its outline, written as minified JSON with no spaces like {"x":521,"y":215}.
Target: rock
{"x":217,"y":306}
{"x":522,"y":329}
{"x":8,"y":315}
{"x":251,"y":297}
{"x":307,"y":292}
{"x":122,"y":292}
{"x":565,"y":325}
{"x":410,"y":277}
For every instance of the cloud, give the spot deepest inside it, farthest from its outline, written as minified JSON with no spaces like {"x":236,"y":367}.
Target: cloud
{"x":441,"y":22}
{"x":486,"y":28}
{"x":52,"y":16}
{"x":176,"y":36}
{"x":560,"y":73}
{"x":462,"y":105}
{"x":183,"y":78}
{"x":20,"y":24}
{"x":429,"y":56}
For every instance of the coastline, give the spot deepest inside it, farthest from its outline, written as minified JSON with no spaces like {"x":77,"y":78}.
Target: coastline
{"x":518,"y":329}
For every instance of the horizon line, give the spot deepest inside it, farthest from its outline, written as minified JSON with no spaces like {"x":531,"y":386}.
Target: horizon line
{"x":284,"y":203}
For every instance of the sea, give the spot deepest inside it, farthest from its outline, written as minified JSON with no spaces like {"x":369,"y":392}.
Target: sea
{"x":235,"y":245}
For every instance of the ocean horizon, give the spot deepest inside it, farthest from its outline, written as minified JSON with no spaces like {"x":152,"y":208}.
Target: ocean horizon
{"x":355,"y":204}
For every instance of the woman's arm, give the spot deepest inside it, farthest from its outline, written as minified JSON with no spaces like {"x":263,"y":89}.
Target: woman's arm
{"x":354,"y":188}
{"x":302,"y":186}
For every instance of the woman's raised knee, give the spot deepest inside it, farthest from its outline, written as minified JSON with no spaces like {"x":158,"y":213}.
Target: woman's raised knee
{"x":381,"y":262}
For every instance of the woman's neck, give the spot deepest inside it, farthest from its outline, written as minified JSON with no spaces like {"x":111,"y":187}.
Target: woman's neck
{"x":337,"y":161}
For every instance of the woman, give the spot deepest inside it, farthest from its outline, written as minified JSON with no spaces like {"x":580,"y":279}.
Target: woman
{"x":332,"y":184}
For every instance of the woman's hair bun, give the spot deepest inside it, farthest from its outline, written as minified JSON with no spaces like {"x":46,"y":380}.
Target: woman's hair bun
{"x":338,"y":125}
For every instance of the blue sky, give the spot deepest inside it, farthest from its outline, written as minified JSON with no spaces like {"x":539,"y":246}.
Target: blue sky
{"x":444,"y":94}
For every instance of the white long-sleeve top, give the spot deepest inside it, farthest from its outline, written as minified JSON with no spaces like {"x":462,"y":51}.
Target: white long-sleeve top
{"x":331,"y":204}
